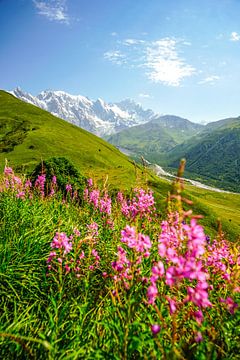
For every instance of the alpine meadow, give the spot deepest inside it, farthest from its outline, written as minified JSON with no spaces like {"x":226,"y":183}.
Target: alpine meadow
{"x":119,"y":190}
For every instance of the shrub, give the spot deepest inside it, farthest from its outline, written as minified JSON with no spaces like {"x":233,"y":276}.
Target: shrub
{"x":64,"y":171}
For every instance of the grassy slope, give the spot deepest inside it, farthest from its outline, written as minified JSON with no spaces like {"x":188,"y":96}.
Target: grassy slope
{"x":156,"y":137}
{"x":29,"y":134}
{"x":222,"y":206}
{"x":214,"y":207}
{"x":53,"y":136}
{"x":212,"y":154}
{"x":215,"y":153}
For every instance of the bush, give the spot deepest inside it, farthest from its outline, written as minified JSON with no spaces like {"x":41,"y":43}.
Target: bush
{"x":65,"y":172}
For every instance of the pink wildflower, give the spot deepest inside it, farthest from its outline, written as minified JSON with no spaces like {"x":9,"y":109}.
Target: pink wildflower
{"x":20,"y":195}
{"x":231,"y":305}
{"x":90,"y":182}
{"x":8,"y":171}
{"x":54,"y":180}
{"x":68,"y":188}
{"x":172,"y":304}
{"x":39,"y":183}
{"x":61,"y":241}
{"x":105,"y":205}
{"x":152,"y":293}
{"x":198,"y":337}
{"x":155,"y":329}
{"x":198,"y":316}
{"x":94,"y":197}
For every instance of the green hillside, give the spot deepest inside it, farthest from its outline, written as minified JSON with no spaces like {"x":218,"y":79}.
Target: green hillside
{"x":212,"y":151}
{"x":156,"y":137}
{"x":213,"y":154}
{"x":29,"y":134}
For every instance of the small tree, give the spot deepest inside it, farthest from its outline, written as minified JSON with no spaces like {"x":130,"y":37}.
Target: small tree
{"x":65,"y":172}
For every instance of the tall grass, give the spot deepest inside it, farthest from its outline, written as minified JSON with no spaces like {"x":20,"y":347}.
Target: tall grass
{"x":107,"y":278}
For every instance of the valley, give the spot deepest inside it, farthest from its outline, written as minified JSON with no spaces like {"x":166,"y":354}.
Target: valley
{"x":212,"y":151}
{"x":30,"y":134}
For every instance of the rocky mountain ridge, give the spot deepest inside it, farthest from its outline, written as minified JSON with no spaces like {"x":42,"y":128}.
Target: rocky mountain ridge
{"x":98,"y":117}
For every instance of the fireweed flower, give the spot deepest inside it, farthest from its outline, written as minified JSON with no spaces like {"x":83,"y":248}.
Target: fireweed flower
{"x":95,"y":254}
{"x":198,"y":295}
{"x":76,"y":232}
{"x":96,"y":259}
{"x":105,"y":205}
{"x":27,"y":185}
{"x":120,"y":197}
{"x":141,"y":243}
{"x":182,"y":247}
{"x":16,"y":182}
{"x":40,"y":183}
{"x":152,"y":293}
{"x":52,"y":192}
{"x":158,"y":270}
{"x":54,"y":180}
{"x":121,"y":266}
{"x":142,"y":204}
{"x":172,"y":305}
{"x":94,"y":197}
{"x":231,"y":305}
{"x":8,"y":171}
{"x":90,"y":182}
{"x":52,"y":255}
{"x":220,"y":259}
{"x":21,"y":195}
{"x":67,"y":268}
{"x":198,"y":316}
{"x":85,"y":194}
{"x":61,"y":241}
{"x":68,"y":188}
{"x":155,"y":329}
{"x":198,"y":337}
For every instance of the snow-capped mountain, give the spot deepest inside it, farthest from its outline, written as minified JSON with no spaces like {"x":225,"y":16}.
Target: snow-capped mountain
{"x":97,"y":116}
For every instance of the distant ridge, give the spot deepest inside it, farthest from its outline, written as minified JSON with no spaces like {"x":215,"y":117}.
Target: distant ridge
{"x":155,"y":137}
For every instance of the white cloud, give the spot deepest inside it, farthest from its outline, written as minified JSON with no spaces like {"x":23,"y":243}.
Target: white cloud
{"x":160,"y":59}
{"x":164,"y":64}
{"x":115,"y":57}
{"x":234,"y":36}
{"x":54,"y":10}
{"x":211,"y":80}
{"x":114,"y":33}
{"x":130,"y":42}
{"x":144,"y":96}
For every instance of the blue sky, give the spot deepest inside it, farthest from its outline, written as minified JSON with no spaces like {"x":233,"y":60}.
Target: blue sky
{"x":177,"y":57}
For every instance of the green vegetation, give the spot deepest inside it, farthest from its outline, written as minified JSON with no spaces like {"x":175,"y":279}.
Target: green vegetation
{"x":32,"y":136}
{"x":156,"y":137}
{"x":78,"y":282}
{"x":29,"y":135}
{"x":63,"y":170}
{"x":216,"y":153}
{"x":212,"y":152}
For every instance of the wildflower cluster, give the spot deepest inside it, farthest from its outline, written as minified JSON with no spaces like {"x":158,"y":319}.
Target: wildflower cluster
{"x":126,"y":269}
{"x":73,"y":254}
{"x":142,"y":204}
{"x":94,"y":197}
{"x":24,"y":188}
{"x":167,"y":275}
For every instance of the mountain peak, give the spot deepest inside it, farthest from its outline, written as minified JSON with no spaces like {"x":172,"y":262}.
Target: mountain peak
{"x":98,"y":117}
